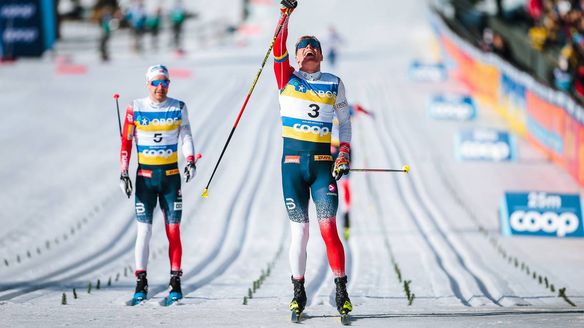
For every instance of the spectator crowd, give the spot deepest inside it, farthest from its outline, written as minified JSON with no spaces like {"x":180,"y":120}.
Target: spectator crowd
{"x":552,"y":25}
{"x":110,"y":16}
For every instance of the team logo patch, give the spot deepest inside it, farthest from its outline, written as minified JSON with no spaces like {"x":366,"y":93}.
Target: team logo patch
{"x":292,"y":159}
{"x":145,"y":173}
{"x":290,"y":204}
{"x":172,"y":172}
{"x":320,"y":158}
{"x":332,"y":188}
{"x":140,"y":208}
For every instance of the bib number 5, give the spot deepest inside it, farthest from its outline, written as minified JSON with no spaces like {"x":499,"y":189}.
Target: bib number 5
{"x":157,"y":137}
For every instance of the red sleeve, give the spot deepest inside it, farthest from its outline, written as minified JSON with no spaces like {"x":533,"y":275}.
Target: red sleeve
{"x":282,"y":66}
{"x":127,"y":137}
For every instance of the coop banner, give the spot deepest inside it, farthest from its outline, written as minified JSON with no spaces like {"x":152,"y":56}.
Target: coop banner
{"x":541,"y":214}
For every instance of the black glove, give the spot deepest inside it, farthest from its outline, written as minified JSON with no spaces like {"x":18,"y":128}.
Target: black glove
{"x":190,"y":171}
{"x":126,"y":183}
{"x":290,"y":4}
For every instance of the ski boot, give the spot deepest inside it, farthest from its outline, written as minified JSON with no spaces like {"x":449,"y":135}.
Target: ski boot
{"x":299,"y":301}
{"x":344,"y":305}
{"x":175,"y":290}
{"x":141,"y":288}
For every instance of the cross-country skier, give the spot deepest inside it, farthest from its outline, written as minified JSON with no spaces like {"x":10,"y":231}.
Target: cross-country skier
{"x":308,"y":99}
{"x":156,"y":123}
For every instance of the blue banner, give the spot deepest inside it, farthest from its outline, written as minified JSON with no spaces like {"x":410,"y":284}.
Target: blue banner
{"x":541,"y":214}
{"x":485,"y":145}
{"x":513,"y":91}
{"x":27,"y":27}
{"x":432,"y":72}
{"x":452,"y":107}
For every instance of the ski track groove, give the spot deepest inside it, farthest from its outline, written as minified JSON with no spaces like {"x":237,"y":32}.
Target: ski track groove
{"x":454,"y":285}
{"x":87,"y":259}
{"x":490,"y":281}
{"x":259,"y":177}
{"x":378,"y":211}
{"x":430,"y":211}
{"x":22,"y":243}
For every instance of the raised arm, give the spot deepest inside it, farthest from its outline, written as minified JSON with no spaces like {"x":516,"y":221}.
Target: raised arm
{"x":282,"y":66}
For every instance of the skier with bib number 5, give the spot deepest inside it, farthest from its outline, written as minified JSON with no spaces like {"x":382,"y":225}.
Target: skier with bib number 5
{"x":156,"y":123}
{"x":308,"y":99}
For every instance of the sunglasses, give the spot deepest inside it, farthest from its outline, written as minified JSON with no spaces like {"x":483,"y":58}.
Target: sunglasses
{"x":306,"y":42}
{"x":156,"y":83}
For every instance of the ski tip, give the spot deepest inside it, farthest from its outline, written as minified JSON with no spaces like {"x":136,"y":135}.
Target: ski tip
{"x":205,"y":193}
{"x":406,"y":168}
{"x":116,"y":95}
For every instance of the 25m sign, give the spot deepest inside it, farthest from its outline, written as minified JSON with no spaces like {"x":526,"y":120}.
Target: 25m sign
{"x":541,"y":214}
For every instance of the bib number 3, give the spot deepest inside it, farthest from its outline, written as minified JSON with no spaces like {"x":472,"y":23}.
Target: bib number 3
{"x":315,"y":108}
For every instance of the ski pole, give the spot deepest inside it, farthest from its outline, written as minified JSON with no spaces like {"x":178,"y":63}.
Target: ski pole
{"x":404,"y":169}
{"x":116,"y":97}
{"x":278,"y":29}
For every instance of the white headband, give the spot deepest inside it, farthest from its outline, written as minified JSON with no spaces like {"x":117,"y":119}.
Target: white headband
{"x":157,"y":70}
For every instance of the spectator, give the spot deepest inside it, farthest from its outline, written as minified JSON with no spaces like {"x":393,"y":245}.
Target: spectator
{"x":105,"y":17}
{"x":494,"y":42}
{"x":137,"y":19}
{"x":334,"y":40}
{"x":578,"y":79}
{"x":177,"y":17}
{"x":535,"y":9}
{"x":500,"y":47}
{"x":153,"y":26}
{"x":567,"y":63}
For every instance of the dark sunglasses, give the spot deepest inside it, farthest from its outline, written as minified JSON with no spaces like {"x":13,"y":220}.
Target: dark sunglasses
{"x":305,"y":42}
{"x":156,"y":83}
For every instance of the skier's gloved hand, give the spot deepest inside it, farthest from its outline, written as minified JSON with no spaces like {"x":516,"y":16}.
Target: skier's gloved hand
{"x":341,"y":166}
{"x":289,"y":4}
{"x":126,"y":183}
{"x":190,"y":171}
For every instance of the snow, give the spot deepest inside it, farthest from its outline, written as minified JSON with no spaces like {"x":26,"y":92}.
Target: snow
{"x":61,"y":203}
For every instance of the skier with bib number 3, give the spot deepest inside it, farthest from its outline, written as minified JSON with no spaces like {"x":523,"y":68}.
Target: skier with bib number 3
{"x":308,"y":99}
{"x":156,"y":123}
